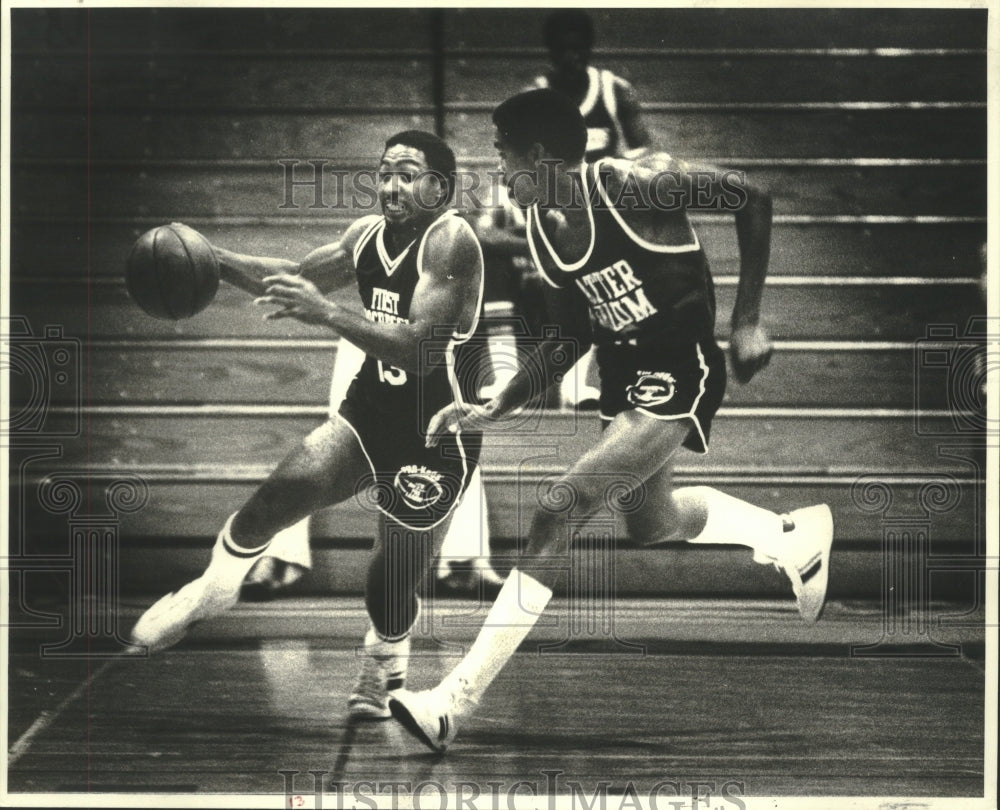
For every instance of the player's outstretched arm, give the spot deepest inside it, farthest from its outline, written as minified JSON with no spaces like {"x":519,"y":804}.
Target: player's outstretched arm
{"x":329,"y":266}
{"x":568,"y":333}
{"x":446,"y":298}
{"x":244,"y":272}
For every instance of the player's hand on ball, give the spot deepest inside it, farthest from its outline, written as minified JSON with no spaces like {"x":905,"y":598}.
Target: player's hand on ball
{"x":298,"y":298}
{"x":453,"y":417}
{"x":750,"y":350}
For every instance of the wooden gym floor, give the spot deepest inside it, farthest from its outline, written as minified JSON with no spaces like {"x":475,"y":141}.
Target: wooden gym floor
{"x":740,"y":696}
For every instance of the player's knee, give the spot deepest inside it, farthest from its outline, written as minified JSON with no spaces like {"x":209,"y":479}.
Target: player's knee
{"x":689,"y":508}
{"x":675,"y":515}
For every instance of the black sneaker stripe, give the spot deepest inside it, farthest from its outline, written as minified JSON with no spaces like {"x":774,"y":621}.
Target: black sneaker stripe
{"x":402,"y":714}
{"x":815,"y":566}
{"x":443,"y":730}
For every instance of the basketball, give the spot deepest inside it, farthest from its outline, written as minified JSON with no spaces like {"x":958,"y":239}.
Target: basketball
{"x":172,"y":272}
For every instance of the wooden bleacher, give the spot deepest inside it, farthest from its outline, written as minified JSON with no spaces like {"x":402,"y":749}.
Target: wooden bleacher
{"x":868,"y":126}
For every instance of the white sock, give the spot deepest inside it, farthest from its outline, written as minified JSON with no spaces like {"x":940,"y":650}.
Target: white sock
{"x":517,"y":607}
{"x":291,"y":545}
{"x":230,"y":562}
{"x":731,"y":520}
{"x":393,"y":654}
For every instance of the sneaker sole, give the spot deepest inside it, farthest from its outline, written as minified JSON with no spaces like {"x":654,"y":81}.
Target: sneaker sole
{"x":367,"y":713}
{"x":823,"y":518}
{"x":407,"y":721}
{"x":147,"y":648}
{"x":141,"y":637}
{"x":157,"y":643}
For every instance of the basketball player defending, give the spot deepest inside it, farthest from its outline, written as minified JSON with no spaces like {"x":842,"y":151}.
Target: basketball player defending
{"x":418,"y":268}
{"x":613,"y":238}
{"x":615,"y":127}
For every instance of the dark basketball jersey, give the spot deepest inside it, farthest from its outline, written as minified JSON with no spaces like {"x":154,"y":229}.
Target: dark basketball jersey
{"x":386,"y":285}
{"x":389,"y":408}
{"x":638,"y":292}
{"x":599,"y":109}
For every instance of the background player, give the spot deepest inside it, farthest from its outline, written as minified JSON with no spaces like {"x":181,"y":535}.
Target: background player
{"x":615,"y":126}
{"x":639,"y":270}
{"x":608,"y":103}
{"x":418,"y":269}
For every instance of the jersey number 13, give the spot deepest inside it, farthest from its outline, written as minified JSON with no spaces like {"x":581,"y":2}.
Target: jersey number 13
{"x":391,"y":374}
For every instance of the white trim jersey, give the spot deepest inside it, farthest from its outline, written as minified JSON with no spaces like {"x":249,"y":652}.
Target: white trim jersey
{"x":652,"y":312}
{"x":638,"y":291}
{"x":389,"y":408}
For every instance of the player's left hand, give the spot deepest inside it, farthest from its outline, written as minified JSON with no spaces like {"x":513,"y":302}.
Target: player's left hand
{"x":750,"y":350}
{"x":298,"y":298}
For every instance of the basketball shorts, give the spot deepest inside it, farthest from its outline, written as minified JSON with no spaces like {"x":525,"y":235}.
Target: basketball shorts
{"x":666,"y":382}
{"x":414,"y":485}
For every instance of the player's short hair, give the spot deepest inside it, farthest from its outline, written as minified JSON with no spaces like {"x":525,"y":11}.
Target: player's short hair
{"x":543,"y":116}
{"x":565,"y":20}
{"x":440,"y":158}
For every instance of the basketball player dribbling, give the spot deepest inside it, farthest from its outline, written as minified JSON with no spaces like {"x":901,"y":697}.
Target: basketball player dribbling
{"x":419,"y":270}
{"x":638,"y":271}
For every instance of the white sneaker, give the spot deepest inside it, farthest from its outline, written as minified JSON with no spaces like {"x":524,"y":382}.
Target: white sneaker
{"x":808,"y":562}
{"x":431,"y":715}
{"x":379,"y":676}
{"x":168,"y":620}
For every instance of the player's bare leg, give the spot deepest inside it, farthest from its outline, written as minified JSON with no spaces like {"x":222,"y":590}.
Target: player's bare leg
{"x":326,"y":468}
{"x":399,"y":561}
{"x":797,"y":543}
{"x":631,"y":449}
{"x":637,"y":444}
{"x":288,"y":556}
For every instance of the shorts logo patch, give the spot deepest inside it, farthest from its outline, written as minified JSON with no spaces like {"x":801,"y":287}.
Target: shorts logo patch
{"x":652,"y":388}
{"x":419,"y":486}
